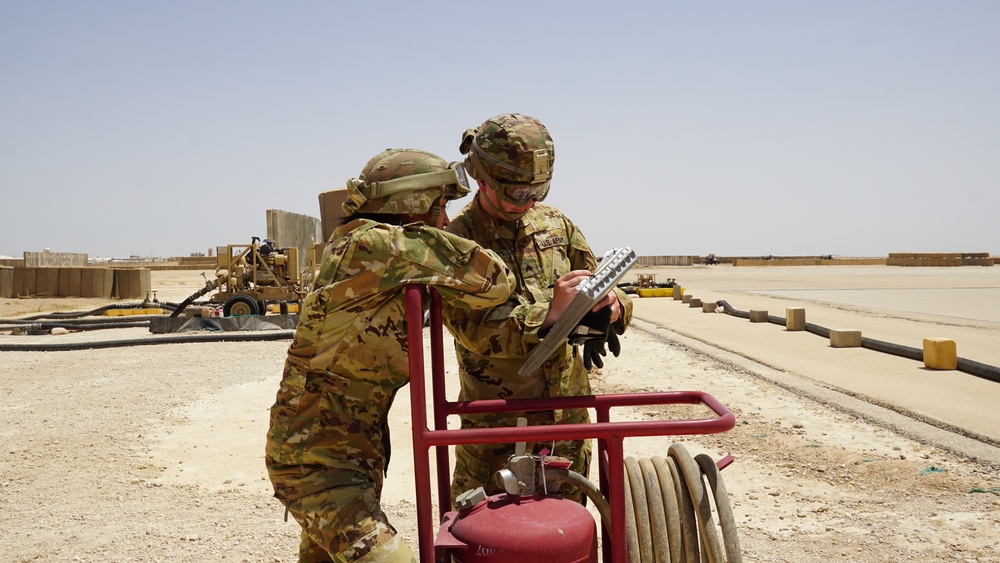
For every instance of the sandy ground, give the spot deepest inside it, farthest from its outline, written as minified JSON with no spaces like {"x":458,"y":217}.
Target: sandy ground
{"x":154,"y":453}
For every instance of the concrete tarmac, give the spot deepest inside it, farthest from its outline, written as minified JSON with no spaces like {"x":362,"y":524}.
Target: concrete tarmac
{"x":951,"y":409}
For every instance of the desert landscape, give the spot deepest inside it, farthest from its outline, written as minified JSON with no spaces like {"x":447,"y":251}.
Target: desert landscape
{"x":155,"y":453}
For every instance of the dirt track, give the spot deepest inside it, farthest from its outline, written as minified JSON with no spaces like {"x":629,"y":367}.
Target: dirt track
{"x":155,"y":454}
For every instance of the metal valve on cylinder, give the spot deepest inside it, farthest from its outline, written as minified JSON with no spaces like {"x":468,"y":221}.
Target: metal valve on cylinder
{"x":519,"y":477}
{"x":528,"y":474}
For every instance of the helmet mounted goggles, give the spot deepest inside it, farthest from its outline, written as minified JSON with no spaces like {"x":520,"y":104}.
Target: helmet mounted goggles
{"x":453,"y":181}
{"x":519,"y":194}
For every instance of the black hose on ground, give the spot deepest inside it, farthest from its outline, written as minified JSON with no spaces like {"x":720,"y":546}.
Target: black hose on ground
{"x":970,"y":367}
{"x":78,"y":324}
{"x":257,"y":336}
{"x":45,"y":328}
{"x":209,"y":286}
{"x":183,"y":305}
{"x":84,"y":322}
{"x":818,"y":330}
{"x":979,"y":369}
{"x":894,"y":349}
{"x":91,"y":313}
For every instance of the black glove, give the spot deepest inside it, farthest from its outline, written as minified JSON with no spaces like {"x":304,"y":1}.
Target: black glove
{"x":593,"y":332}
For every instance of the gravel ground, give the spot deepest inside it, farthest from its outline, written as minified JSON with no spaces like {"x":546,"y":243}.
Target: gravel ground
{"x":154,"y":453}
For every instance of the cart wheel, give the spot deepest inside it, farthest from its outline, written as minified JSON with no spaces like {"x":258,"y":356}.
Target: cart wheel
{"x":240,"y":305}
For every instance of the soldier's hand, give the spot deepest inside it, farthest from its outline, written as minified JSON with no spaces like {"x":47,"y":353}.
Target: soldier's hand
{"x":563,"y":292}
{"x":610,"y":300}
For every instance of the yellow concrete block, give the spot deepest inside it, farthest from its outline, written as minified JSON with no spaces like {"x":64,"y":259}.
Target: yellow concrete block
{"x":845,"y":338}
{"x":758,"y":316}
{"x":940,"y":353}
{"x":655,"y":292}
{"x":795,"y":318}
{"x":128,"y":312}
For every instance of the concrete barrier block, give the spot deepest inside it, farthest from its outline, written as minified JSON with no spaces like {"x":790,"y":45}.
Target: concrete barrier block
{"x":845,"y":338}
{"x":694,"y":303}
{"x":940,"y":353}
{"x":795,"y":318}
{"x":678,"y":292}
{"x":686,"y":298}
{"x":709,"y":307}
{"x":758,"y":316}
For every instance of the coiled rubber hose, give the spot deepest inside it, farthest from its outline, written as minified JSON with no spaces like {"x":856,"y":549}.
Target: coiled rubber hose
{"x":964,"y":365}
{"x":669,"y":513}
{"x":668,"y":509}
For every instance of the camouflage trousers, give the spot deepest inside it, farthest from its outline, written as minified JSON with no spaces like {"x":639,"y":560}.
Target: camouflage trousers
{"x":477,"y":464}
{"x":346,"y":524}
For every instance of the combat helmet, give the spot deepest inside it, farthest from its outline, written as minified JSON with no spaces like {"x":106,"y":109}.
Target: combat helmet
{"x":404,"y":182}
{"x":513,"y":154}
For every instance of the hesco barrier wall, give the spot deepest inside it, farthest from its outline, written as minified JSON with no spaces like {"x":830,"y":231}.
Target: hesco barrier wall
{"x":6,"y":281}
{"x":109,"y":283}
{"x":811,"y":262}
{"x":939,"y":259}
{"x":668,"y":260}
{"x":176,"y":263}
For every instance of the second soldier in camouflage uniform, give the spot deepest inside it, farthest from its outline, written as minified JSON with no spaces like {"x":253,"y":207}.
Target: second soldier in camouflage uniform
{"x":511,"y":156}
{"x":328,"y":442}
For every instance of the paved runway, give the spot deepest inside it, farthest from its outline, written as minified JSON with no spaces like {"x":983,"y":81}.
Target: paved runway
{"x":893,"y":304}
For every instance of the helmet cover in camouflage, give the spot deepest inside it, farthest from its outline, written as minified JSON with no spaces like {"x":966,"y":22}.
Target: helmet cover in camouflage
{"x":404,"y":182}
{"x":509,"y":151}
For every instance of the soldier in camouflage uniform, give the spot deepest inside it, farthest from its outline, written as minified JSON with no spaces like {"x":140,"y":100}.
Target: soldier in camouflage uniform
{"x":328,"y":443}
{"x":511,"y":156}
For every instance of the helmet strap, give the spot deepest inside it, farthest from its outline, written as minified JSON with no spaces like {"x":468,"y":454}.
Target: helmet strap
{"x":435,"y":212}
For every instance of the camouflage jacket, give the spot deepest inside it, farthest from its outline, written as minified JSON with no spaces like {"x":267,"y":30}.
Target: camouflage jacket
{"x":493,"y":343}
{"x":349,"y":354}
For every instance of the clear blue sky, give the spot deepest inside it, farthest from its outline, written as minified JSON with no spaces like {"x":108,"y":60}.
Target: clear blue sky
{"x":853,"y":128}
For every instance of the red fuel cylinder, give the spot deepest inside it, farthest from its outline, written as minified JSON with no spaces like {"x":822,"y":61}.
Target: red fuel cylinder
{"x":526,"y":530}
